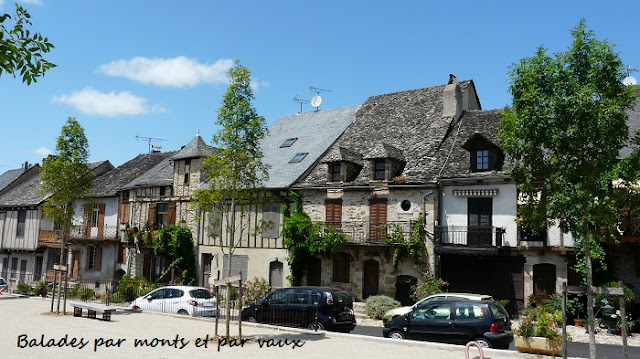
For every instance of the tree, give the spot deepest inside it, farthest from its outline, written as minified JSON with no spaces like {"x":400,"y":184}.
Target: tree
{"x":177,"y":244}
{"x":564,"y":134}
{"x":65,"y":178}
{"x":234,"y":172}
{"x":20,"y":50}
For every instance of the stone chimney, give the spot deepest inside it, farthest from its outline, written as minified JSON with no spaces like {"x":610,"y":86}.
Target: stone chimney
{"x":452,"y":99}
{"x":25,"y":167}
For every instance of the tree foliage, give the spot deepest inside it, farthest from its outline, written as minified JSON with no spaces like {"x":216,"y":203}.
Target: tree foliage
{"x":414,"y":246}
{"x":21,"y":51}
{"x":177,"y":244}
{"x":65,"y":176}
{"x":564,"y":134}
{"x":306,"y":240}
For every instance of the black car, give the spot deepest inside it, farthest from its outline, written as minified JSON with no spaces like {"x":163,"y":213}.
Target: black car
{"x":300,"y":306}
{"x":454,"y":321}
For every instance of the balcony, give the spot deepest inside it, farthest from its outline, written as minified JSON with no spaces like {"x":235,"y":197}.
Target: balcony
{"x":85,"y":232}
{"x":365,"y":232}
{"x":629,"y":227}
{"x":469,"y":237}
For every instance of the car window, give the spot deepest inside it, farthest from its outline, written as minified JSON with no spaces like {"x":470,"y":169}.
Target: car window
{"x":173,"y":293}
{"x":315,"y":298}
{"x":278,"y":298}
{"x":158,"y":294}
{"x":2,"y":281}
{"x":300,"y":298}
{"x":433,"y":311}
{"x":498,"y":311}
{"x":200,"y":293}
{"x":467,"y":311}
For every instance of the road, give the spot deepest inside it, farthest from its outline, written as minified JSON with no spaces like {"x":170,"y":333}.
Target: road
{"x":580,"y":350}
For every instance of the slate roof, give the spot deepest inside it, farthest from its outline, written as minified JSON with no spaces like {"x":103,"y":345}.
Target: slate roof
{"x":25,"y":191}
{"x":113,"y":181}
{"x":196,"y":148}
{"x":407,"y":126}
{"x":10,"y":176}
{"x":315,"y":132}
{"x":160,"y":175}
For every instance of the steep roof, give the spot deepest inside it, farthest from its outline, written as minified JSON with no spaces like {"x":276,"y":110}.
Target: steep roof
{"x":10,"y":176}
{"x":407,"y":126}
{"x":24,"y":191}
{"x":196,"y":148}
{"x":112,"y":181}
{"x":314,"y":132}
{"x":160,"y":175}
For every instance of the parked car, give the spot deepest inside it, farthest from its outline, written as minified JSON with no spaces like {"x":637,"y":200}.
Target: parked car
{"x":300,"y":306}
{"x":194,"y":301}
{"x":396,"y":312}
{"x":3,"y":285}
{"x":456,"y":321}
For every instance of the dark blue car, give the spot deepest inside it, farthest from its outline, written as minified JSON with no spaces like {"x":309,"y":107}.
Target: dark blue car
{"x":311,"y":307}
{"x":454,"y":321}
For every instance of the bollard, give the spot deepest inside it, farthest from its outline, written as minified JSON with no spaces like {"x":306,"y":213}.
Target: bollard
{"x":473,"y":344}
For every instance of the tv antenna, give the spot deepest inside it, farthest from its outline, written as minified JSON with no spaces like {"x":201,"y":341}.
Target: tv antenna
{"x":317,"y":100}
{"x":149,"y":140}
{"x":630,"y":80}
{"x":301,"y":101}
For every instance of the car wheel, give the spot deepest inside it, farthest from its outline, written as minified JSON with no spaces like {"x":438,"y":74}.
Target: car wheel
{"x":484,"y":342}
{"x":183,"y":312}
{"x":396,"y":334}
{"x":316,"y":326}
{"x":251,"y":320}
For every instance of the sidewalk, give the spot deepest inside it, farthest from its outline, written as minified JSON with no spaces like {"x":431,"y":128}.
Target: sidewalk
{"x":27,"y":323}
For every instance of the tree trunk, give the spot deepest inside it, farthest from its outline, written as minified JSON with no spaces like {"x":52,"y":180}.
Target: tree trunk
{"x":592,"y":332}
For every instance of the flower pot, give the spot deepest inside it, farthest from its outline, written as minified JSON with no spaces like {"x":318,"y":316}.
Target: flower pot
{"x":578,"y":322}
{"x":538,"y":345}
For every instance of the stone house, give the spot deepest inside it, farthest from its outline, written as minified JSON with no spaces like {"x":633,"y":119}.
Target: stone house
{"x":292,"y":146}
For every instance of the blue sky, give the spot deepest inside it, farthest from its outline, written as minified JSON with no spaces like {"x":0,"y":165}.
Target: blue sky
{"x":157,"y":68}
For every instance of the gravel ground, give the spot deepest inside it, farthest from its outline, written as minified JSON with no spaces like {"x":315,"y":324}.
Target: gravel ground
{"x":26,"y":322}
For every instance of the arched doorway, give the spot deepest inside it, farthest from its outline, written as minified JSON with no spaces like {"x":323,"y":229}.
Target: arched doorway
{"x":314,"y":272}
{"x":275,"y":274}
{"x":544,"y":280}
{"x":403,"y":289}
{"x":370,"y":278}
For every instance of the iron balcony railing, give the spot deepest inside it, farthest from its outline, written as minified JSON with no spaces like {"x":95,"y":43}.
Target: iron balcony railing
{"x":372,"y":232}
{"x":472,"y":236}
{"x":87,"y":232}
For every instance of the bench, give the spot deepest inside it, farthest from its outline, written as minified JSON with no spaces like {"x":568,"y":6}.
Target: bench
{"x":92,"y":309}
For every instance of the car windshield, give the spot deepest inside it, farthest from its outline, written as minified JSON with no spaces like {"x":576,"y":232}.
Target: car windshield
{"x":200,"y":293}
{"x":498,"y":311}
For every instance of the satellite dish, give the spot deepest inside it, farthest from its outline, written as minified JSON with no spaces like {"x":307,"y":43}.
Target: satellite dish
{"x":628,"y":81}
{"x":316,"y":101}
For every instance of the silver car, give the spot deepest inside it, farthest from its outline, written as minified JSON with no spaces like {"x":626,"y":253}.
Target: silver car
{"x":193,"y":301}
{"x":396,"y":312}
{"x":3,"y":285}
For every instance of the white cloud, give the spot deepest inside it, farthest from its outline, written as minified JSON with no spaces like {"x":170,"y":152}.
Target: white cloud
{"x":93,"y":102}
{"x":176,"y":72}
{"x":37,"y":2}
{"x":255,"y":84}
{"x":42,"y":151}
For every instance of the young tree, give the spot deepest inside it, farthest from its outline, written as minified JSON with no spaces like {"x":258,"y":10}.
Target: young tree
{"x":564,"y":134}
{"x":235,"y":171}
{"x":65,"y":178}
{"x":20,"y":50}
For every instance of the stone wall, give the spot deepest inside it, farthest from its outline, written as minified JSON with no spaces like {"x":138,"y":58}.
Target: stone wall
{"x":537,"y":257}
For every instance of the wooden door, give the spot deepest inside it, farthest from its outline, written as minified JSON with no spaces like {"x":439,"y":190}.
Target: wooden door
{"x":377,"y":220}
{"x":75,"y":264}
{"x":370,"y":278}
{"x":314,"y":272}
{"x":479,"y":222}
{"x":275,"y":274}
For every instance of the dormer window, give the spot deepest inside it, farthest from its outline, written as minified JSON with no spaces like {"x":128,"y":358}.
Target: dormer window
{"x":484,"y":155}
{"x":482,"y":160}
{"x":336,"y":172}
{"x":379,"y":170}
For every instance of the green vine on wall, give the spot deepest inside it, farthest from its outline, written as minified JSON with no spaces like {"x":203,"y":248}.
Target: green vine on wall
{"x":177,"y":244}
{"x":306,"y":240}
{"x":413,"y":247}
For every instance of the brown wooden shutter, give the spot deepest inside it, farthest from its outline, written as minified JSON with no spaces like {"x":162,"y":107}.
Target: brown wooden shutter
{"x":101,"y":209}
{"x":172,"y":213}
{"x":124,"y":212}
{"x":75,"y":264}
{"x":87,"y":218}
{"x":152,"y":214}
{"x":333,"y":211}
{"x":88,"y":261}
{"x":98,"y":258}
{"x":377,"y":219}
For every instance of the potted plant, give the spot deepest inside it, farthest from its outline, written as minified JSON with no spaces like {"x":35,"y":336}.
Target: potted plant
{"x":538,"y":333}
{"x":576,"y":308}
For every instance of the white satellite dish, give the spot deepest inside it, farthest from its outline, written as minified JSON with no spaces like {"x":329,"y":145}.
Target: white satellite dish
{"x":628,"y":81}
{"x":316,"y":101}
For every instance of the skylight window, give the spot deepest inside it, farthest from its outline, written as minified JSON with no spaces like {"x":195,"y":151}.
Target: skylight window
{"x":299,"y":157}
{"x":288,"y":142}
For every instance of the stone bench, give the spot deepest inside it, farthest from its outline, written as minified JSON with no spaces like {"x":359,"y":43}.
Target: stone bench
{"x":92,"y":310}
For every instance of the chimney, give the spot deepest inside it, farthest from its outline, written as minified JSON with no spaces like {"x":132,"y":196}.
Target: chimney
{"x":26,"y":166}
{"x":452,"y":99}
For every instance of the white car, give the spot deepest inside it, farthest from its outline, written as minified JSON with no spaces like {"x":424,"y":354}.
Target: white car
{"x":396,"y":312}
{"x":194,"y":301}
{"x":3,"y":285}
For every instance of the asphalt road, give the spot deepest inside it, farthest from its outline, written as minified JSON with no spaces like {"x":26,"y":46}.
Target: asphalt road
{"x":580,"y":350}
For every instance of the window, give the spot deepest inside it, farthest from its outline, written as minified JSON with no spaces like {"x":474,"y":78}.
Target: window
{"x":93,"y":217}
{"x":341,"y":266}
{"x":379,"y":170}
{"x":162,"y":215}
{"x":22,"y":219}
{"x":239,"y":265}
{"x":187,"y":170}
{"x":433,"y":311}
{"x":271,"y":220}
{"x":333,"y":212}
{"x":163,"y":191}
{"x":469,"y":312}
{"x":299,"y":157}
{"x":405,"y":205}
{"x":288,"y":142}
{"x":482,"y":160}
{"x":336,"y":172}
{"x":94,"y":254}
{"x":159,"y":267}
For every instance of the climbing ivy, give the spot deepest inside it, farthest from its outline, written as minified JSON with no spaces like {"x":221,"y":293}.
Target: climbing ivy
{"x":413,"y":247}
{"x":306,"y":240}
{"x":177,"y":244}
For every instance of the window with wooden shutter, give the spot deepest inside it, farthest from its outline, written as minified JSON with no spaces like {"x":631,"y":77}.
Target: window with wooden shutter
{"x":333,"y":209}
{"x":377,"y":220}
{"x":239,"y":265}
{"x":479,"y":231}
{"x":151,"y":215}
{"x":271,"y":219}
{"x":172,"y":214}
{"x":341,"y":267}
